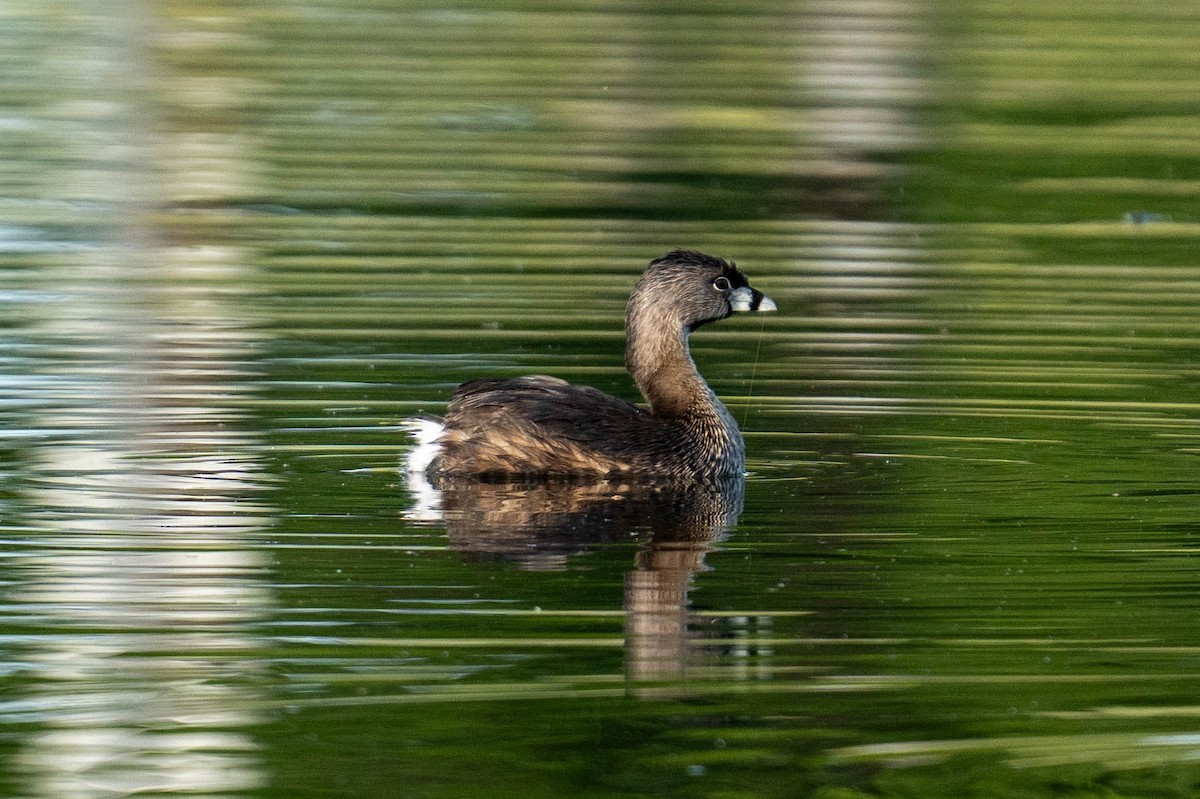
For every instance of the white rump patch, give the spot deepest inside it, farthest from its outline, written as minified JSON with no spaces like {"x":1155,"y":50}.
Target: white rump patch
{"x":428,"y":434}
{"x":427,"y":500}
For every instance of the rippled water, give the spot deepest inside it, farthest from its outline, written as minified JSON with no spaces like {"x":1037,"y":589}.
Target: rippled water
{"x":239,"y":244}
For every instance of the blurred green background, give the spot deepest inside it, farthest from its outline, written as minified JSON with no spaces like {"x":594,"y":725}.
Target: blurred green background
{"x":240,"y":241}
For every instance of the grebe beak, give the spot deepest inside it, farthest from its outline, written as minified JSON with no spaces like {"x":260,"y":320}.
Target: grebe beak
{"x":749,"y":299}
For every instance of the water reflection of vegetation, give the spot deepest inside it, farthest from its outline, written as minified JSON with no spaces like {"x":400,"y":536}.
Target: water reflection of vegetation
{"x":972,"y":525}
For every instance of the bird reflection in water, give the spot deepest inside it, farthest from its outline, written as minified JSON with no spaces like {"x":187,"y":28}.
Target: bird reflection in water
{"x":541,"y":524}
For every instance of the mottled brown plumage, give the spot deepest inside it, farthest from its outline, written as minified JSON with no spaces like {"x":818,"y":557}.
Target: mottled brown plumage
{"x":544,"y":426}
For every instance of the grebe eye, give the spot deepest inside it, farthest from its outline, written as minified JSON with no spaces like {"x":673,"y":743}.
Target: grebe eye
{"x":722,"y":284}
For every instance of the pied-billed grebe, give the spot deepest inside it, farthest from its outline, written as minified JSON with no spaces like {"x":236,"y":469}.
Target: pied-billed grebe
{"x":544,"y":426}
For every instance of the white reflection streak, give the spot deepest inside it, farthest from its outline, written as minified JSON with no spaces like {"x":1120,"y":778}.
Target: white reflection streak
{"x":144,"y":678}
{"x":140,"y":583}
{"x":865,"y":73}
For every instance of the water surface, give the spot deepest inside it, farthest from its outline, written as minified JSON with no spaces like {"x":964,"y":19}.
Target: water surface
{"x":239,"y":245}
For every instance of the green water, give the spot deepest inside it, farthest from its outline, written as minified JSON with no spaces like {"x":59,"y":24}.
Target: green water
{"x":240,"y":242}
